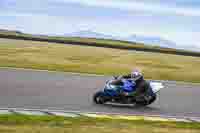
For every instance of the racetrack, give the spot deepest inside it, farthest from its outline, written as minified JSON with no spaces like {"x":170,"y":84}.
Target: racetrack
{"x":73,"y":92}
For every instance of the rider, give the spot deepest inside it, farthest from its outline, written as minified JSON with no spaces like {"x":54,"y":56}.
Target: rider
{"x":140,"y":84}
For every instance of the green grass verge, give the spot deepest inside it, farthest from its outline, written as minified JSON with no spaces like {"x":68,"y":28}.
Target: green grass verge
{"x":52,"y":124}
{"x":85,"y":59}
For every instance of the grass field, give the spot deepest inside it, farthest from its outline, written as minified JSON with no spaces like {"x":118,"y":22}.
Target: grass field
{"x":52,"y":124}
{"x":85,"y":59}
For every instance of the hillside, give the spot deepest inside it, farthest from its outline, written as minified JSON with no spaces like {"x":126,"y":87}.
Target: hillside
{"x":108,"y":43}
{"x":147,"y":40}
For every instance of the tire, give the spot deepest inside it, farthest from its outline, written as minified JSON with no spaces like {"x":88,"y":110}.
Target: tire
{"x":145,"y":103}
{"x":99,"y":98}
{"x":152,"y":100}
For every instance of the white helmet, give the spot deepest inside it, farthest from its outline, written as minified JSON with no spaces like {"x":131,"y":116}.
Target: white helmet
{"x":136,"y":74}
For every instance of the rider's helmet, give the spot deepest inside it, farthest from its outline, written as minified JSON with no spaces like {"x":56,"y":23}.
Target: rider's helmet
{"x":136,"y":75}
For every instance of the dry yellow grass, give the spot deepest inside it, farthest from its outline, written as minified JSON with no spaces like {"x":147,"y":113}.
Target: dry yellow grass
{"x":52,"y":124}
{"x":85,"y":59}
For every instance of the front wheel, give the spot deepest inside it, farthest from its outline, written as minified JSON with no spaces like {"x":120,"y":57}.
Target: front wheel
{"x":99,"y":98}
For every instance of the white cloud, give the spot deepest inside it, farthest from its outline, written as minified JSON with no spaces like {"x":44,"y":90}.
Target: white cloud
{"x":139,"y":6}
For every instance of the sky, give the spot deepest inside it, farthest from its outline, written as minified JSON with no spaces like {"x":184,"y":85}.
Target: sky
{"x":175,"y":20}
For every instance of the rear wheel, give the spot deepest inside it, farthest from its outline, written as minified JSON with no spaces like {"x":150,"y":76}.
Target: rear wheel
{"x":152,"y":100}
{"x":99,"y":98}
{"x":146,"y":102}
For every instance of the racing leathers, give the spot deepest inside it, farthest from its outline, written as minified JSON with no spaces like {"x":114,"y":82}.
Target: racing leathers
{"x":141,"y":86}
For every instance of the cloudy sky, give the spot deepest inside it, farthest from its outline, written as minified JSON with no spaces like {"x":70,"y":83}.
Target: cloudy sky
{"x":175,"y":20}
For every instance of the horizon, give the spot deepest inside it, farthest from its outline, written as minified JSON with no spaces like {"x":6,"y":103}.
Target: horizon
{"x":176,"y":21}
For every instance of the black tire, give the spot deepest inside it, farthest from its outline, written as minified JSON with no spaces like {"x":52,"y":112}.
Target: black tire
{"x":145,"y":103}
{"x":152,"y":100}
{"x":99,"y":98}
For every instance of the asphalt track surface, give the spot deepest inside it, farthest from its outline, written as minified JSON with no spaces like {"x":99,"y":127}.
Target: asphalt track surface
{"x":73,"y":92}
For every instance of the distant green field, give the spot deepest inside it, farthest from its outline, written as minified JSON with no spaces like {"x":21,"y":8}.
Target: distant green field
{"x":117,"y":44}
{"x":86,"y":59}
{"x":53,"y":124}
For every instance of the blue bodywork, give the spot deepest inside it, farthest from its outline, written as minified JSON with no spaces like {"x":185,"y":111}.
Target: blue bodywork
{"x":129,"y":85}
{"x":114,"y":90}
